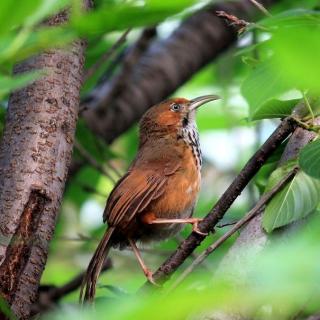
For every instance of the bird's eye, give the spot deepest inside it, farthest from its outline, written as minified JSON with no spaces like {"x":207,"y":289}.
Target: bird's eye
{"x":175,"y":107}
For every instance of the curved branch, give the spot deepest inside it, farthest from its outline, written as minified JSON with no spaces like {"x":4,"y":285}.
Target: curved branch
{"x":165,"y":66}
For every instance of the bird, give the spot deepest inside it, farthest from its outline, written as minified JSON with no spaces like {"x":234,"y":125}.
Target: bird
{"x":156,"y":196}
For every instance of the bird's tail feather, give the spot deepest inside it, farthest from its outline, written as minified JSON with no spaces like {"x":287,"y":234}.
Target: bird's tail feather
{"x":88,"y":287}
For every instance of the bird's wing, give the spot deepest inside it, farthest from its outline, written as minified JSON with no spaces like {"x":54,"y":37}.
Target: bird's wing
{"x":134,"y":192}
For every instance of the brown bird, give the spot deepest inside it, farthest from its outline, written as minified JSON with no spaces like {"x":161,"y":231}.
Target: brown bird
{"x":157,"y":195}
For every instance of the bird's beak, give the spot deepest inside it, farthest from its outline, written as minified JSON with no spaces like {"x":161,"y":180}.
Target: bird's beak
{"x":197,"y":102}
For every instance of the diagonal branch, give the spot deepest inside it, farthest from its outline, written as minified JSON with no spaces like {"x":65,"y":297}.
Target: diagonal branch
{"x":225,"y":201}
{"x":258,"y":208}
{"x":164,"y":67}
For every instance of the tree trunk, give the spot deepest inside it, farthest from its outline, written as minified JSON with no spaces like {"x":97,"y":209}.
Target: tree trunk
{"x":35,"y":153}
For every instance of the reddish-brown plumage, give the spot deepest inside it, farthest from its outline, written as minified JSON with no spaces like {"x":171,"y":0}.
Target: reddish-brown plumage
{"x":158,"y":193}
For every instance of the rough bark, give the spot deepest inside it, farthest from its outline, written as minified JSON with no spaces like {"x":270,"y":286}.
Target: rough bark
{"x":165,"y":66}
{"x":35,"y":153}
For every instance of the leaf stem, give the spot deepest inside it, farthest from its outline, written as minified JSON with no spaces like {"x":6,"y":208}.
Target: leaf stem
{"x":306,"y":101}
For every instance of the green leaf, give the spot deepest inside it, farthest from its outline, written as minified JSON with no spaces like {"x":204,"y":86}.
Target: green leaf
{"x":5,"y":310}
{"x":125,"y":15}
{"x":309,"y":159}
{"x":296,"y":200}
{"x":300,"y":68}
{"x":274,"y":109}
{"x":264,"y":83}
{"x":8,"y":84}
{"x":14,"y":14}
{"x":292,"y":18}
{"x":21,"y":46}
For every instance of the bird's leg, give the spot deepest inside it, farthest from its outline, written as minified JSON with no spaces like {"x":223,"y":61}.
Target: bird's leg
{"x":148,"y":273}
{"x":193,"y":221}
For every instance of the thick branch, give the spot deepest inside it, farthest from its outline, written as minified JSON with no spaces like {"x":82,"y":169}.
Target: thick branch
{"x":165,"y":66}
{"x":35,"y":153}
{"x":225,"y":201}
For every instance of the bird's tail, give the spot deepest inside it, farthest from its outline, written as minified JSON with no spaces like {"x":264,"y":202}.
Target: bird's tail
{"x":89,"y":282}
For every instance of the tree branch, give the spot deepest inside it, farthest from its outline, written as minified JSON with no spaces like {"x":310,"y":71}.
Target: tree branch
{"x":35,"y":154}
{"x":225,"y":201}
{"x":165,"y":66}
{"x":258,"y":208}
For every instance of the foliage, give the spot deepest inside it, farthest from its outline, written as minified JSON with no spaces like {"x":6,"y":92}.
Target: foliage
{"x":260,"y":81}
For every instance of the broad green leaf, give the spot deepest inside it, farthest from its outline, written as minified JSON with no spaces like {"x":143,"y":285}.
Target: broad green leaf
{"x":13,"y":14}
{"x":22,"y":46}
{"x":296,"y":56}
{"x":309,"y":159}
{"x":274,"y":109}
{"x":5,"y":310}
{"x":8,"y":84}
{"x":126,"y":15}
{"x":47,"y":8}
{"x":292,"y":18}
{"x":296,"y":200}
{"x":262,"y":179}
{"x":263,"y":84}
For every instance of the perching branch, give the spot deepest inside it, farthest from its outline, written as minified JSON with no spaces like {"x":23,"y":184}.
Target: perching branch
{"x":248,"y":217}
{"x":225,"y":201}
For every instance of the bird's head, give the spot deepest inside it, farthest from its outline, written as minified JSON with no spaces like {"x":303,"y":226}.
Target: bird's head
{"x":173,"y":114}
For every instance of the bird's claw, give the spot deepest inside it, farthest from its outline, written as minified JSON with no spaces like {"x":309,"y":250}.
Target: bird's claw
{"x":149,"y":276}
{"x":195,"y":228}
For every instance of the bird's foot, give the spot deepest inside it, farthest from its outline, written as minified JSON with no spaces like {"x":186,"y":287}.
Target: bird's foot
{"x":195,"y":226}
{"x":149,"y":274}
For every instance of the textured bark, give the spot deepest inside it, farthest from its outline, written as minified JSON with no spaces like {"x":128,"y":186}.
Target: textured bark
{"x":35,"y":153}
{"x":165,"y":66}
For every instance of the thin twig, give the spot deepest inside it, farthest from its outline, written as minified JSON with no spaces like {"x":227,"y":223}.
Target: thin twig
{"x":251,"y":214}
{"x":130,"y":60}
{"x":92,"y":161}
{"x":234,"y":21}
{"x":226,"y":200}
{"x":105,"y":56}
{"x":89,"y":189}
{"x":261,"y":7}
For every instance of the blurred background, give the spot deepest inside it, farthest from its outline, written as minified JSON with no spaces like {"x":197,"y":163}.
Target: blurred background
{"x":231,"y":129}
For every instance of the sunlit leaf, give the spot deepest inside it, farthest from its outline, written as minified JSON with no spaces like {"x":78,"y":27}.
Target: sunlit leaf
{"x":293,"y":18}
{"x":309,"y":159}
{"x":263,"y":84}
{"x":126,"y":15}
{"x":274,"y":109}
{"x":296,"y":200}
{"x":296,"y":53}
{"x":13,"y":14}
{"x":33,"y":42}
{"x":8,"y":84}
